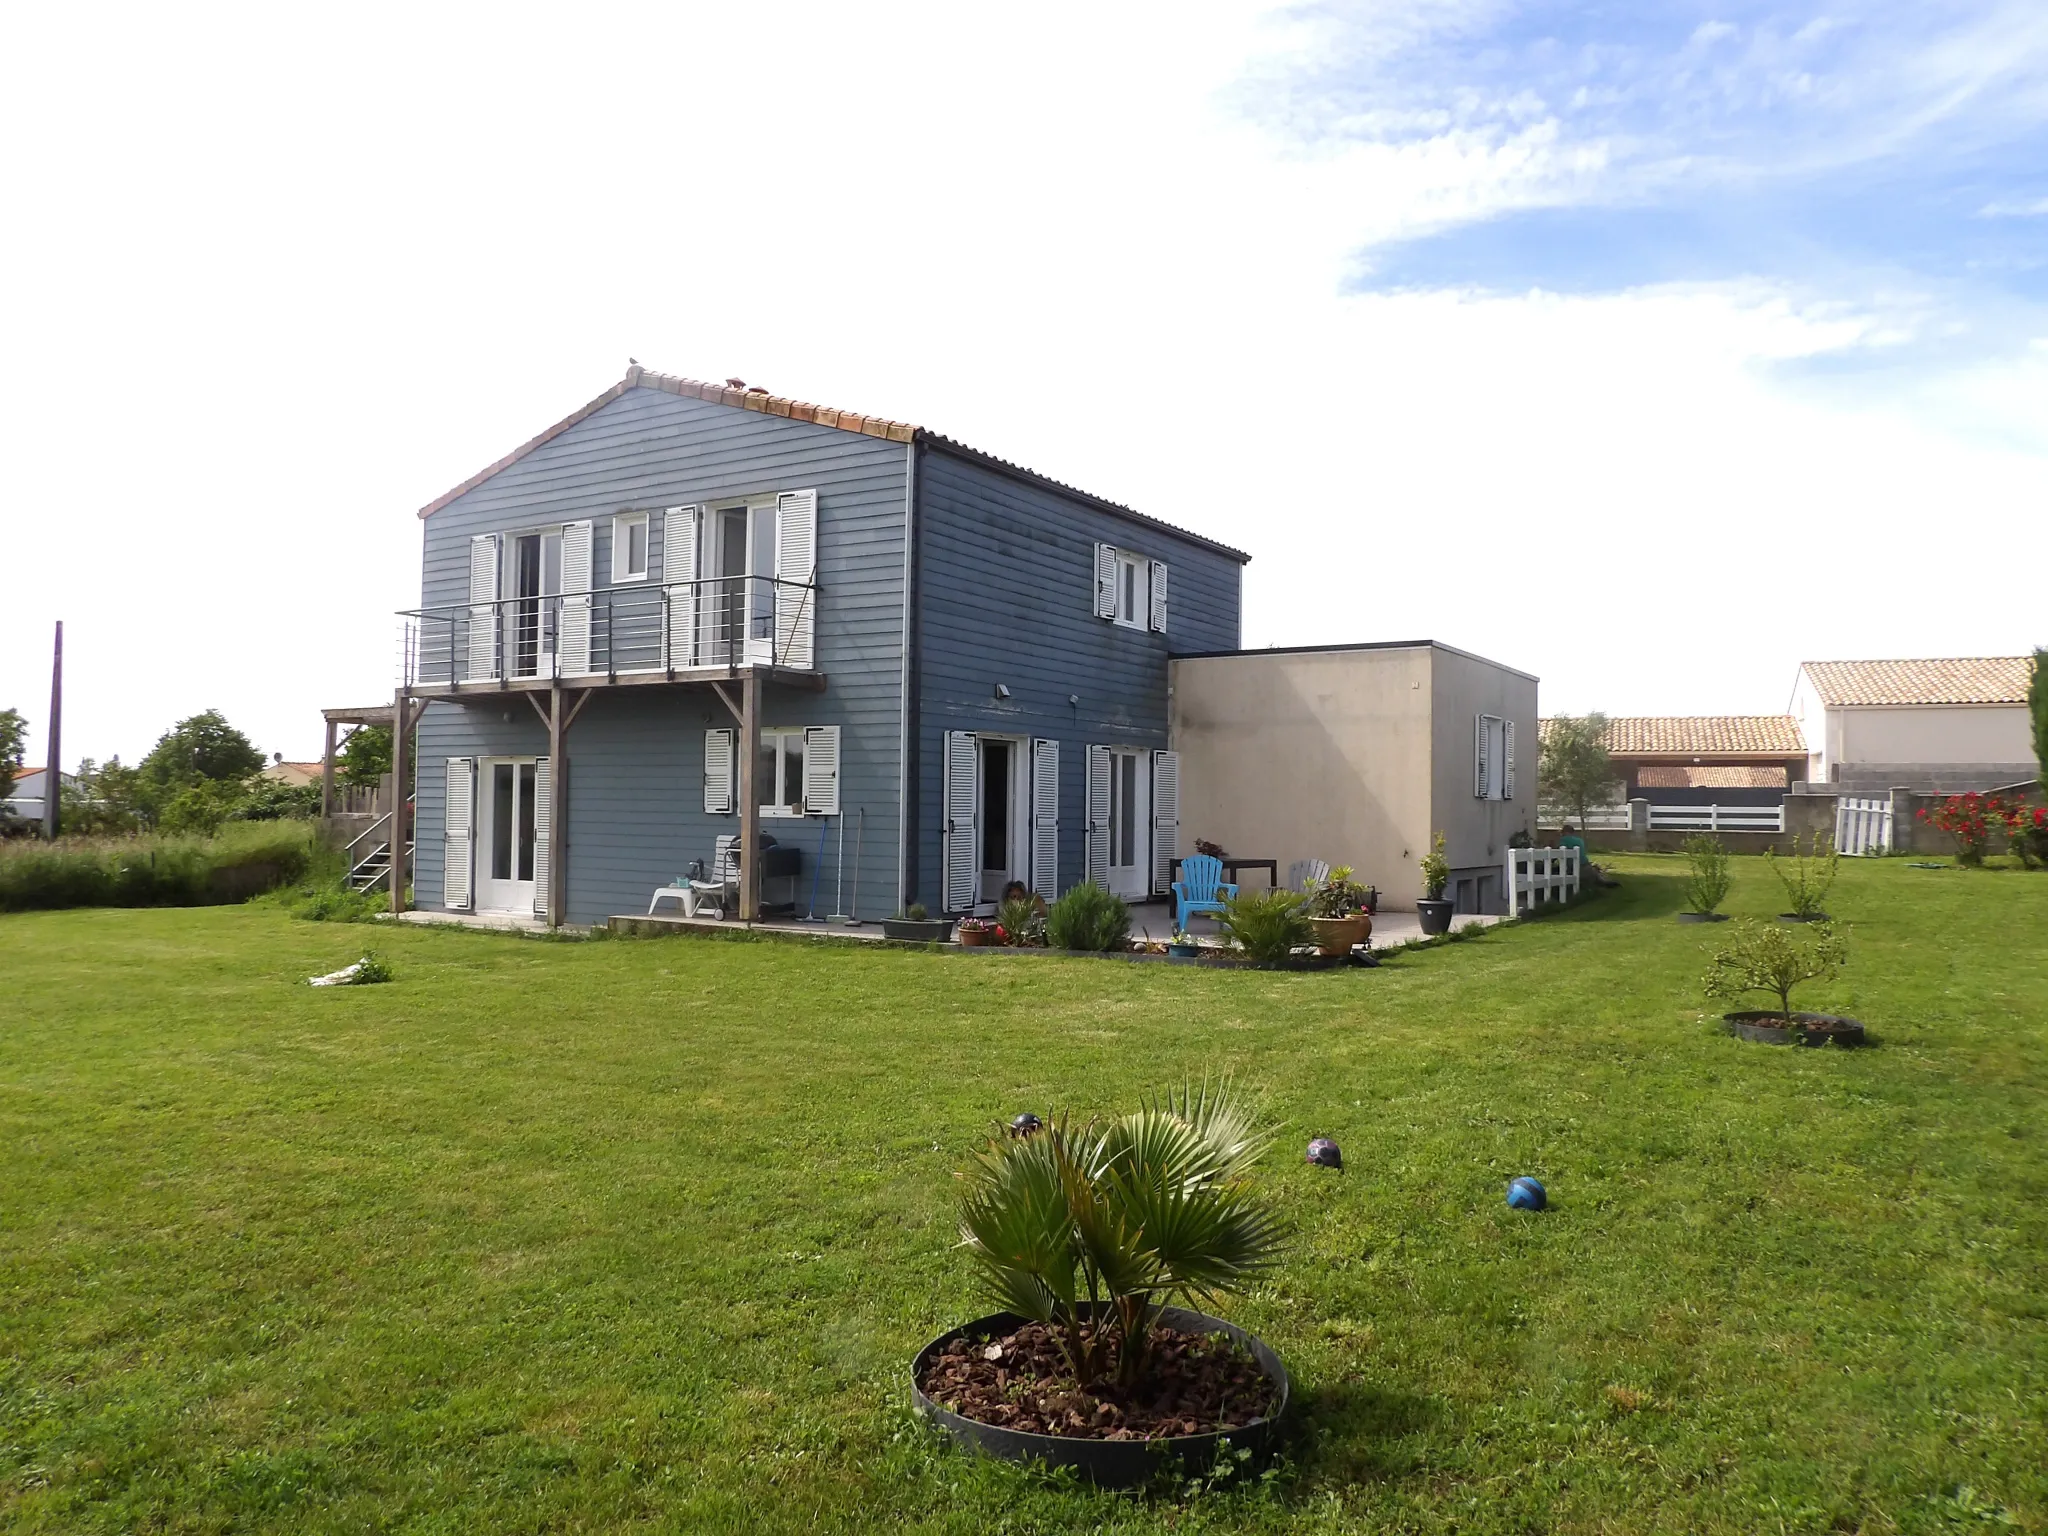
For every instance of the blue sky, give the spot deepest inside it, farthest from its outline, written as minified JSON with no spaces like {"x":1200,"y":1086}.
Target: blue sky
{"x":1885,"y":153}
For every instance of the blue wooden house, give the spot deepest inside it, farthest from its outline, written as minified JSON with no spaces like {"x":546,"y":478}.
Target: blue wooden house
{"x":691,"y":611}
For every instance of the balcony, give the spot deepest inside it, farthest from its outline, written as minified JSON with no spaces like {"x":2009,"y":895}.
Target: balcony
{"x":683,"y":631}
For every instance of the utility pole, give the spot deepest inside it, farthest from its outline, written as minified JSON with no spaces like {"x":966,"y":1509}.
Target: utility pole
{"x":53,"y":779}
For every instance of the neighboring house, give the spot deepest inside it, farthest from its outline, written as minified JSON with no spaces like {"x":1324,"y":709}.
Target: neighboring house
{"x":1705,"y":759}
{"x":690,"y":611}
{"x":292,"y":775}
{"x":1359,"y":755}
{"x":26,"y":801}
{"x":1945,"y":724}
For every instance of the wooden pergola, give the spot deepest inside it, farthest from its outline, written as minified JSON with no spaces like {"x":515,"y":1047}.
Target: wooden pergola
{"x":372,"y":714}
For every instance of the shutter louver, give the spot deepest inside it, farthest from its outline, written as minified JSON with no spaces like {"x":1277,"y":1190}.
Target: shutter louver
{"x":960,"y":858}
{"x":718,"y":747}
{"x":482,"y":663}
{"x":542,"y":800}
{"x":572,"y":634}
{"x":1100,"y":766}
{"x":796,"y":561}
{"x":679,"y":576}
{"x":1105,"y":582}
{"x":1165,"y":819}
{"x":458,"y":833}
{"x":1045,"y":818}
{"x":1507,"y":767}
{"x":821,"y":770}
{"x":1479,"y":757}
{"x":1159,"y":597}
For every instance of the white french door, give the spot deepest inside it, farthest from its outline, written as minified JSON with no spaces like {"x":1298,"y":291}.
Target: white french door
{"x":1130,"y":830}
{"x":508,"y":795}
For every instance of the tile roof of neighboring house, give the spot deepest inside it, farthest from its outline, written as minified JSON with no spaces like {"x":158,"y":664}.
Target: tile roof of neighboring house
{"x":757,"y":399}
{"x":1935,"y":680}
{"x":1703,"y":736}
{"x":1711,"y":776}
{"x":294,"y":773}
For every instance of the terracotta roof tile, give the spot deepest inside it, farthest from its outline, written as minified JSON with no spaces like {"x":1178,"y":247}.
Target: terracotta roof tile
{"x":1703,"y":735}
{"x":1934,"y":680}
{"x":1711,"y":776}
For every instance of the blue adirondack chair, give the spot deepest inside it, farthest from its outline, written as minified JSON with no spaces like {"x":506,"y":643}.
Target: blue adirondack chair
{"x":1200,"y":888}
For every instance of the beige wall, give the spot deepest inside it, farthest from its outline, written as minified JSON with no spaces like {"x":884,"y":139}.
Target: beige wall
{"x":1299,"y":755}
{"x":1351,"y":756}
{"x":1952,"y":733}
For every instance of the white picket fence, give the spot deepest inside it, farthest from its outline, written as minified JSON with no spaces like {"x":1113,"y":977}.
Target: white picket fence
{"x":1533,"y":876}
{"x":1599,"y":818}
{"x":1717,"y":818}
{"x":1863,"y":825}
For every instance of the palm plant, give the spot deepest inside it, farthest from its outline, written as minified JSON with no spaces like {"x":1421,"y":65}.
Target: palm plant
{"x":1091,"y":1230}
{"x":1266,"y":925}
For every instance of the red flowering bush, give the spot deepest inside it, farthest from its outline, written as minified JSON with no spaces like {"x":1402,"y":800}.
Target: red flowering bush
{"x":1970,"y":819}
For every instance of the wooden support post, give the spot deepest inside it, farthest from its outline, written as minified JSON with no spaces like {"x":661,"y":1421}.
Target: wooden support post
{"x":327,"y":776}
{"x":558,"y":808}
{"x":750,"y":797}
{"x":401,"y":830}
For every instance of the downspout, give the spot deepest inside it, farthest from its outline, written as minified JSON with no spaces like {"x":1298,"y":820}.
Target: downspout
{"x":906,"y":799}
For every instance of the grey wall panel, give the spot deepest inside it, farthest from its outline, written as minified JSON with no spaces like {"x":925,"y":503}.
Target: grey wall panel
{"x":649,"y":450}
{"x":1005,"y":594}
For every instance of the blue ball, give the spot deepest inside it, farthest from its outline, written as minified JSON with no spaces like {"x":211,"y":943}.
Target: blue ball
{"x":1526,"y":1194}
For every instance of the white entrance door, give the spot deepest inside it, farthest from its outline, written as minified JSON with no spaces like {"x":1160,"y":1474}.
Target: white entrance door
{"x":508,"y":793}
{"x":1130,"y":831}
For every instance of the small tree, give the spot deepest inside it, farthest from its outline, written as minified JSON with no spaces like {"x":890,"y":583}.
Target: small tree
{"x":365,"y":757}
{"x":13,"y":741}
{"x":1813,"y":872}
{"x":1706,"y":880}
{"x":1771,"y":958}
{"x":1572,"y":766}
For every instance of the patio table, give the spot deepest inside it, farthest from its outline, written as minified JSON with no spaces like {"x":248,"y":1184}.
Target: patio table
{"x":1233,"y":867}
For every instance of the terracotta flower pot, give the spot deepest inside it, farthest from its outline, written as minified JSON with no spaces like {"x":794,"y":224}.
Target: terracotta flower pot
{"x":1339,"y":935}
{"x":974,"y":938}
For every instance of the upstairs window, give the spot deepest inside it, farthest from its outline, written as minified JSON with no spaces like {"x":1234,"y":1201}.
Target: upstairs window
{"x":1130,"y":590}
{"x":629,"y":547}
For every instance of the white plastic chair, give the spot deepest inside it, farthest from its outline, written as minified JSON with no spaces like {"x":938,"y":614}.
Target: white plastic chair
{"x":1304,"y":873}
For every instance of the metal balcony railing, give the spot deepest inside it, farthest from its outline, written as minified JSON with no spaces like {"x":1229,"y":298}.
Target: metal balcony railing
{"x":667,"y":627}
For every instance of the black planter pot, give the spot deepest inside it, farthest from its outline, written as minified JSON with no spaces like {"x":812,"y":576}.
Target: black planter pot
{"x":1794,"y":917}
{"x":918,"y":930}
{"x":1184,"y":953}
{"x":1811,"y":1029}
{"x":1703,"y":917}
{"x":1106,"y":1463}
{"x":1435,"y":916}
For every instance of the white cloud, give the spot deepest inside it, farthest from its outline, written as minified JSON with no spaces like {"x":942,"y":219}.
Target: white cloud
{"x":2035,"y":209}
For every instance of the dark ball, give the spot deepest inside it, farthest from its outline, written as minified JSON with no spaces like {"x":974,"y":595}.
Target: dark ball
{"x":1527,"y":1194}
{"x":1324,"y":1154}
{"x":1026,"y":1124}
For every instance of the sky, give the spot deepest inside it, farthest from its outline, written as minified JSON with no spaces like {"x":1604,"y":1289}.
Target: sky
{"x":1648,"y":347}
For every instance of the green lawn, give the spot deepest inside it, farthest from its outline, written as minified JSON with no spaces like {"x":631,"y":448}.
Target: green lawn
{"x":641,"y":1235}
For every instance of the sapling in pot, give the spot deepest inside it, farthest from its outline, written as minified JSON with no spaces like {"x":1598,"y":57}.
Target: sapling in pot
{"x":1766,"y":958}
{"x":1807,"y":881}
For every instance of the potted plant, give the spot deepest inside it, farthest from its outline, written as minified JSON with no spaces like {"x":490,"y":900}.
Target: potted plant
{"x":1338,"y":913}
{"x":1706,"y":880}
{"x":1183,"y":946}
{"x":1806,"y":886}
{"x":1762,"y":957}
{"x":1267,"y":926}
{"x":1085,"y":1236}
{"x":917,"y":925}
{"x":975,"y":932}
{"x":1433,"y":910}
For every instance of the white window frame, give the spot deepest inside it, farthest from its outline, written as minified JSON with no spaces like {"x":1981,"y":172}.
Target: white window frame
{"x":779,"y":795}
{"x":1135,"y":570}
{"x":622,"y":526}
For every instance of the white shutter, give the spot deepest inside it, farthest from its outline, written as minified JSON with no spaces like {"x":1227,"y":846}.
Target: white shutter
{"x":960,"y":856}
{"x":458,"y":832}
{"x":1045,"y":818}
{"x":1105,"y":582}
{"x":1159,"y":597}
{"x":1097,"y":837}
{"x":718,"y":773}
{"x":483,"y":608}
{"x":796,"y":560}
{"x":679,"y":575}
{"x":572,"y":636}
{"x":541,"y":800}
{"x":1479,"y":756}
{"x":1507,"y":767}
{"x":1165,"y":819}
{"x":821,"y":770}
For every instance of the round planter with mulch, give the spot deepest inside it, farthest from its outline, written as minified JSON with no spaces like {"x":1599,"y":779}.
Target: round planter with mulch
{"x":1808,"y":917}
{"x":1340,"y":935}
{"x":1769,"y":1027}
{"x":999,"y":1385}
{"x":1703,"y":917}
{"x":1435,"y":916}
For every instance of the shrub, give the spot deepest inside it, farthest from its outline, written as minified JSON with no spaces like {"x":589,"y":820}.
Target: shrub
{"x":1969,"y":820}
{"x":1772,"y":958}
{"x":1706,"y":880}
{"x":150,"y":871}
{"x":1813,"y":871}
{"x":1021,"y":921}
{"x":1089,"y":918}
{"x":1267,"y":925}
{"x":1436,"y":871}
{"x":1143,"y":1210}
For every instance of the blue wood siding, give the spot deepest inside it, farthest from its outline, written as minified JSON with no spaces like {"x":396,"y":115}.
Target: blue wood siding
{"x":1005,"y":593}
{"x":636,"y":755}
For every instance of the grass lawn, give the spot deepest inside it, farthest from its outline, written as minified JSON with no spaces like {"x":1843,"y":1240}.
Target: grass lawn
{"x":642,"y":1235}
